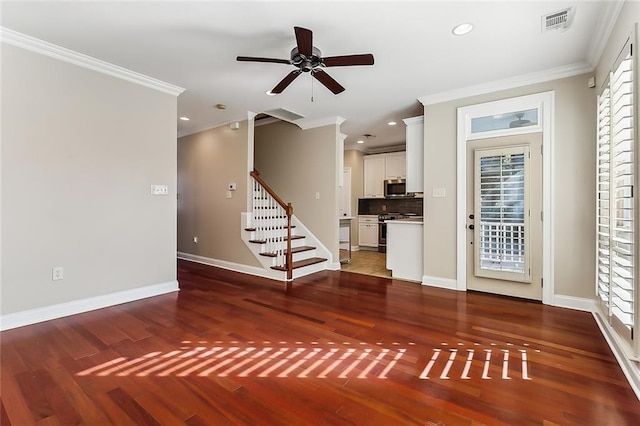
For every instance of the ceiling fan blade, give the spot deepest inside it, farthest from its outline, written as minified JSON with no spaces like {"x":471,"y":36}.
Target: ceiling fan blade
{"x":348,"y":60}
{"x":328,"y":81}
{"x":286,"y":81}
{"x":254,"y":59}
{"x":304,"y":38}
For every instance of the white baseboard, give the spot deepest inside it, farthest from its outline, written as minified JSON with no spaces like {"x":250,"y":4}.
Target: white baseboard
{"x":335,"y":266}
{"x":447,"y":283}
{"x":236,"y":267}
{"x":630,"y":368}
{"x":577,"y":303}
{"x":46,"y":313}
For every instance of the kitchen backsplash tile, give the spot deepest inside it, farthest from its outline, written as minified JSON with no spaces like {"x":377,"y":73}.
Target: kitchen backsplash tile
{"x":390,"y":205}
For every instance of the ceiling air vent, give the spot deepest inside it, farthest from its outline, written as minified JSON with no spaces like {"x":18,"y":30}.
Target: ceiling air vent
{"x":560,"y":20}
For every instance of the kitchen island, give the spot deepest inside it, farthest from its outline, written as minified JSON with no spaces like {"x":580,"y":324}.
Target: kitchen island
{"x":405,"y":248}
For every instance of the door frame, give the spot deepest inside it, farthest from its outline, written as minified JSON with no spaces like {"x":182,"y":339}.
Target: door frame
{"x":544,"y":103}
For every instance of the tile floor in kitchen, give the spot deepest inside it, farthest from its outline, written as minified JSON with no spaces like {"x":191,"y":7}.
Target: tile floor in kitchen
{"x":367,"y":262}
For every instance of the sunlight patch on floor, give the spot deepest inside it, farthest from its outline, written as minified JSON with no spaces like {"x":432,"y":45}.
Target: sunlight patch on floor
{"x":327,"y":360}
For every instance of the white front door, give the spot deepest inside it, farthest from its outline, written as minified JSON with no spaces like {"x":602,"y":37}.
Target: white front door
{"x":504,"y":215}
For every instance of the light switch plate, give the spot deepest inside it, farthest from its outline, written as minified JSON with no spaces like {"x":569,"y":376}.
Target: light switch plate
{"x":159,"y":190}
{"x":439,"y":193}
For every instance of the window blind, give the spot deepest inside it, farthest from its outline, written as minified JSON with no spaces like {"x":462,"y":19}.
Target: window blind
{"x":616,"y":280}
{"x":603,"y":201}
{"x":622,"y":261}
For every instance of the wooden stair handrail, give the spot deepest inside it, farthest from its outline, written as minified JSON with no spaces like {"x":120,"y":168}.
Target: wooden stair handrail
{"x":288,"y":208}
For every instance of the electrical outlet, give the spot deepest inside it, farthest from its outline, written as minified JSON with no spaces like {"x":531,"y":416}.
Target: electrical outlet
{"x":317,"y":195}
{"x":384,"y":207}
{"x":195,"y":240}
{"x":57,"y":273}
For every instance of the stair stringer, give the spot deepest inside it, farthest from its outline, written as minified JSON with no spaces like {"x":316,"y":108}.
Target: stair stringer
{"x":321,"y":250}
{"x":268,"y":262}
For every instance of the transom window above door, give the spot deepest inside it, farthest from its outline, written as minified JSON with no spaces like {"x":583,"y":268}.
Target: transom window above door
{"x":509,"y":120}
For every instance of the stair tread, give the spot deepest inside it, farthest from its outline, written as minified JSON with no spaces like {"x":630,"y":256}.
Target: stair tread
{"x":277,"y":227}
{"x":293,"y":237}
{"x":301,"y":263}
{"x":293,"y":250}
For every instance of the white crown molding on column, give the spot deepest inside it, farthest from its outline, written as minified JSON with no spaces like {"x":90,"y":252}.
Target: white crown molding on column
{"x":312,"y":123}
{"x":63,"y":54}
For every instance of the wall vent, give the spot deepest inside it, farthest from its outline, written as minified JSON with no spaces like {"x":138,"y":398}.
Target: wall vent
{"x":560,"y":20}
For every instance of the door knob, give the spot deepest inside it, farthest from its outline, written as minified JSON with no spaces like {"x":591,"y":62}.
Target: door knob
{"x":471,"y":227}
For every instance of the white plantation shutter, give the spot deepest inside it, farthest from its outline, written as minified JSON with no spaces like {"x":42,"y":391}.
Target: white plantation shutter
{"x":623,"y":172}
{"x":502,"y":205}
{"x":616,"y":279}
{"x":603,"y":201}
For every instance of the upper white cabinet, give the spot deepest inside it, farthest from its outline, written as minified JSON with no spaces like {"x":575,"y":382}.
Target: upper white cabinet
{"x":374,"y":175}
{"x":378,"y":167}
{"x":415,"y":153}
{"x":396,"y":165}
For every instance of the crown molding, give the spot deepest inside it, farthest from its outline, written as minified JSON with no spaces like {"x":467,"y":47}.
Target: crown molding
{"x":507,"y":83}
{"x":603,"y":31}
{"x":57,"y":52}
{"x":312,"y":123}
{"x":414,"y":120}
{"x":209,"y":126}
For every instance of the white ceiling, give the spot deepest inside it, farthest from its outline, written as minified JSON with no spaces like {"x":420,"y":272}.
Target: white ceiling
{"x":194,"y":45}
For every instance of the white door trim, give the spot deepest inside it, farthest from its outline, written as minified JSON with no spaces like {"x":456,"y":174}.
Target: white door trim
{"x":545,"y":103}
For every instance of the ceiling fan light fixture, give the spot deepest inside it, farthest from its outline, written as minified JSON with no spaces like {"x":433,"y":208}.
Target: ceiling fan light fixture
{"x":462,"y":29}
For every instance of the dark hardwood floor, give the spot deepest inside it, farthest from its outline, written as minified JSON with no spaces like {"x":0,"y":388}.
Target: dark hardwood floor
{"x":339,"y":349}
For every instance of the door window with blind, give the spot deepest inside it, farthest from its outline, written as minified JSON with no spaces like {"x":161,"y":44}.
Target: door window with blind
{"x":502,"y":205}
{"x":617,"y":258}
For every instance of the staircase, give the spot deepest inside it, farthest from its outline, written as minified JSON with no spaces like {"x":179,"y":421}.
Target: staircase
{"x":277,"y":238}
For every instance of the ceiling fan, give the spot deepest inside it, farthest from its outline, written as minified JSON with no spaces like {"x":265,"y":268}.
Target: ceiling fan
{"x":308,"y":58}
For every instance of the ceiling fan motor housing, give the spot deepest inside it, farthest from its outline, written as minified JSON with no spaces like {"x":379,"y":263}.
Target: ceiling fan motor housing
{"x":306,"y":64}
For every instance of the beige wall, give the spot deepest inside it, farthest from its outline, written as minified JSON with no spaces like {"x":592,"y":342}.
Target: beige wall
{"x":355,"y":159}
{"x":207,"y":162}
{"x":80,"y":150}
{"x":297,"y":164}
{"x":574,"y":180}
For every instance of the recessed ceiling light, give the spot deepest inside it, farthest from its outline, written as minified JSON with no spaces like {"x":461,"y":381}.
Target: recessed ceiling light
{"x":392,"y":123}
{"x":268,"y":93}
{"x":184,"y":118}
{"x":462,"y":29}
{"x":360,"y":141}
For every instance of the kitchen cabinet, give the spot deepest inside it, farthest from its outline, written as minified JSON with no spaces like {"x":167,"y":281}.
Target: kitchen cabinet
{"x":374,"y":176}
{"x":404,"y":248}
{"x":368,"y":230}
{"x":396,"y":165}
{"x":378,"y":167}
{"x":415,"y":153}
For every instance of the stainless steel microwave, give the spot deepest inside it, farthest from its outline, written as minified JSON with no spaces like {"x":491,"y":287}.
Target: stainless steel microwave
{"x":395,"y":188}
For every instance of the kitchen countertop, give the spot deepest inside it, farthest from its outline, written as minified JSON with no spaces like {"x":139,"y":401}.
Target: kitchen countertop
{"x":414,"y":219}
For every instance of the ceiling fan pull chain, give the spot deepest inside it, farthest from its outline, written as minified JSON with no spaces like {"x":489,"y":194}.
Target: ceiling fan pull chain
{"x":312,"y":88}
